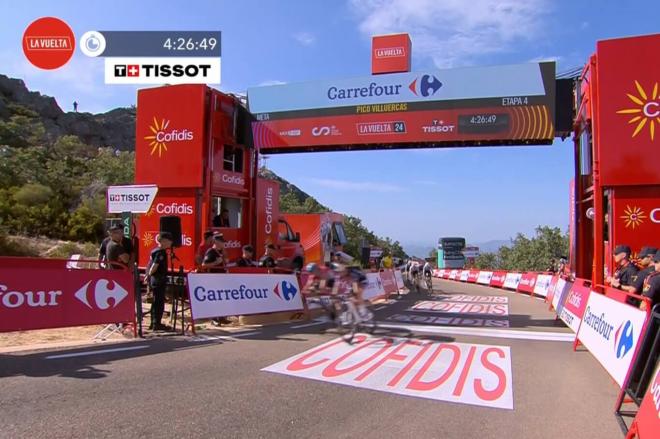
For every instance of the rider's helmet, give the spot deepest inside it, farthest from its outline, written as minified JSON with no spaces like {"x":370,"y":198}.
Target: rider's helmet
{"x":312,"y":268}
{"x":338,"y":268}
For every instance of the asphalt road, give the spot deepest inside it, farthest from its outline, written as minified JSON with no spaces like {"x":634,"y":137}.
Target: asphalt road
{"x":214,"y":387}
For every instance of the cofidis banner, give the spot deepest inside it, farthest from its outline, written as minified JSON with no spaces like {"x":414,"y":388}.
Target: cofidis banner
{"x":217,"y":294}
{"x":611,"y":331}
{"x":456,"y":372}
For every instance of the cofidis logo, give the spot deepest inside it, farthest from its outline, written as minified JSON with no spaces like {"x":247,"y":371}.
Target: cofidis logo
{"x":646,"y":109}
{"x":162,"y":134}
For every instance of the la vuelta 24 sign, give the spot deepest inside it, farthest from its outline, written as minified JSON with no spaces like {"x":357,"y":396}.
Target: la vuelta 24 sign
{"x":54,"y":297}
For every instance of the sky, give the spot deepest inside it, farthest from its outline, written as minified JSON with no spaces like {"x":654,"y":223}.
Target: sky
{"x":413,"y":196}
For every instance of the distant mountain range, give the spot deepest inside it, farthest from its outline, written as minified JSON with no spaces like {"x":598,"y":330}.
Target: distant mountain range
{"x":423,"y":250}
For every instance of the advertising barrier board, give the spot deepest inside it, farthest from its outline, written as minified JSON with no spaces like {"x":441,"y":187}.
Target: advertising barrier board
{"x":512,"y":280}
{"x":456,"y":372}
{"x":38,"y":298}
{"x":453,"y":275}
{"x":218,"y":294}
{"x":562,"y":289}
{"x":472,"y":277}
{"x":498,"y":279}
{"x":484,"y":277}
{"x":388,"y":282}
{"x":611,"y":331}
{"x":647,"y":420}
{"x":374,"y":287}
{"x":399,"y":278}
{"x":464,"y":275}
{"x":551,"y":288}
{"x":572,"y":308}
{"x":527,"y":282}
{"x":542,"y":284}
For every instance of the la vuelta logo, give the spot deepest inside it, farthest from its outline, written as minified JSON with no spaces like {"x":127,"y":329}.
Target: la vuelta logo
{"x":162,"y":134}
{"x":646,"y":111}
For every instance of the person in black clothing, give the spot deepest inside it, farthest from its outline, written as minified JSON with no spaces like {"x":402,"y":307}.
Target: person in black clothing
{"x":651,"y":288}
{"x":126,"y":243}
{"x":215,"y":256}
{"x":623,"y":276}
{"x":646,"y":262}
{"x":115,"y":254}
{"x":221,"y":220}
{"x":247,"y":260}
{"x":268,"y":259}
{"x":157,"y":280}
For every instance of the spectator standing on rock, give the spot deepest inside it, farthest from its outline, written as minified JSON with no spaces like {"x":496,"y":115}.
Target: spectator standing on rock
{"x":75,"y":106}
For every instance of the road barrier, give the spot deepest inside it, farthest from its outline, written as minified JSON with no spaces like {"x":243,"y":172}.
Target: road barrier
{"x":623,"y":338}
{"x":38,"y":293}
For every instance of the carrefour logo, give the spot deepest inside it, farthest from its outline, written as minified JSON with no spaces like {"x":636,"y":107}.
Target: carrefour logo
{"x":424,"y":86}
{"x":427,"y":86}
{"x":285,"y":290}
{"x":623,"y":339}
{"x":161,"y":135}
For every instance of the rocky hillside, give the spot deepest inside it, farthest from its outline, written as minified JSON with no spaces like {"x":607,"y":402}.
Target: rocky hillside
{"x":20,"y":106}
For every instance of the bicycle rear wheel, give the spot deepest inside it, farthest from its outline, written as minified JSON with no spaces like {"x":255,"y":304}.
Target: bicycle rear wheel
{"x":347,"y":326}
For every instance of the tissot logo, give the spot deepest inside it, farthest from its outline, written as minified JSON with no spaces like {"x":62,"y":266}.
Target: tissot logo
{"x":161,"y":70}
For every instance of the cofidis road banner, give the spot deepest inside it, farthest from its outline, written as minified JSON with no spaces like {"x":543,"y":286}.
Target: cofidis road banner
{"x":217,"y":294}
{"x":611,"y":331}
{"x":456,"y":372}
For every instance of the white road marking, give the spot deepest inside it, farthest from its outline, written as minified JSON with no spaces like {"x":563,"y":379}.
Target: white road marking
{"x":379,"y":308}
{"x":483,"y":332}
{"x":244,"y":334}
{"x":101,"y":351}
{"x":313,"y":323}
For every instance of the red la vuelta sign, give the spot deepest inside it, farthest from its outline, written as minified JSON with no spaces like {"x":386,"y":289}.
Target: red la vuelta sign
{"x":34,"y":296}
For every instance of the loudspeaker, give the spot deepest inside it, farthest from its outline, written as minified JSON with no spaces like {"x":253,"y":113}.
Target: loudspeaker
{"x":172,"y":224}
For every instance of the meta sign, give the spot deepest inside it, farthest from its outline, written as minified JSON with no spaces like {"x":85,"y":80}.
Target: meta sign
{"x":47,"y":296}
{"x":501,"y":105}
{"x":611,"y":331}
{"x":456,"y":372}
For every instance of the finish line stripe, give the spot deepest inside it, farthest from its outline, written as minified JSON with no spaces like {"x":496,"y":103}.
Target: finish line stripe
{"x":496,"y":333}
{"x":102,"y":351}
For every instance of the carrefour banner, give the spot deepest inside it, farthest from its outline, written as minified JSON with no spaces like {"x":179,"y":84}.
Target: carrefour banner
{"x":611,"y":331}
{"x":510,"y":104}
{"x":218,"y":295}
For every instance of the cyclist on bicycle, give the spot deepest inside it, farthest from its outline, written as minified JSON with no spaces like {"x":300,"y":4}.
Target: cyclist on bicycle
{"x":414,"y":272}
{"x":427,"y":270}
{"x":357,"y":281}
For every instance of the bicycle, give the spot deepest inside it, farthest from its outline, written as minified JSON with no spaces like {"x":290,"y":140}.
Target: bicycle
{"x":429,"y":283}
{"x":349,"y":321}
